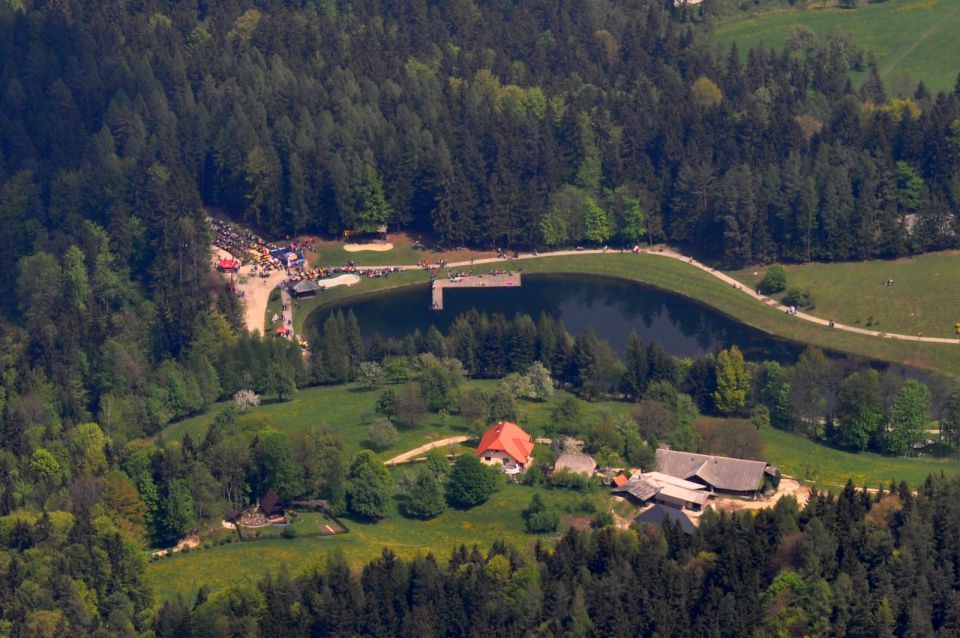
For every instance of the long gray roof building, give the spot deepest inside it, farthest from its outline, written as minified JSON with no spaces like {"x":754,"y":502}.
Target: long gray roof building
{"x":716,"y":472}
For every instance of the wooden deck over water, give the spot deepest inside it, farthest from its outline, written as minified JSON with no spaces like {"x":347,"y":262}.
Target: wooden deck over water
{"x":472,"y":281}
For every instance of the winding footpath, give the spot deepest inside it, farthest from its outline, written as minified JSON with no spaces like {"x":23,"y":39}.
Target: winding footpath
{"x":415,"y":452}
{"x":727,"y":279}
{"x":670,"y":254}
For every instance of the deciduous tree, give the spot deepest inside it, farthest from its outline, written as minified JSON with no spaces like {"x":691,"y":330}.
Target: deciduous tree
{"x":470,"y":482}
{"x":369,"y":486}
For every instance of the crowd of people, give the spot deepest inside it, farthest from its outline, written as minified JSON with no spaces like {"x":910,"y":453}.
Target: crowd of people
{"x":318,"y":274}
{"x":426,"y":265}
{"x":248,"y":247}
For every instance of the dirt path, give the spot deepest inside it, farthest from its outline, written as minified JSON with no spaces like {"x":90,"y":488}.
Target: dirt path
{"x":788,"y":487}
{"x":415,"y":452}
{"x":800,"y":315}
{"x":256,"y":291}
{"x":726,"y":279}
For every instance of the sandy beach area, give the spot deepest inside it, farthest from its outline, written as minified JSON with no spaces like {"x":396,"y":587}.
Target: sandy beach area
{"x":339,"y":280}
{"x":377,"y":248}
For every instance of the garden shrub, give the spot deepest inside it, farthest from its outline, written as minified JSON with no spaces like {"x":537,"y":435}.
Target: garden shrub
{"x":774,"y":281}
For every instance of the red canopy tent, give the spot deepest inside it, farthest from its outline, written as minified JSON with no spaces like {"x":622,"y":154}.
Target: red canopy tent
{"x":283,"y":332}
{"x":228,"y":265}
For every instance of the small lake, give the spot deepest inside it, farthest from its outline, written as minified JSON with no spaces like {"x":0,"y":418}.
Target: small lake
{"x":612,"y":307}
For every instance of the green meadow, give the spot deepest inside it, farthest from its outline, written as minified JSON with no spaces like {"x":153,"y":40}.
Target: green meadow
{"x":923,"y":297}
{"x":829,"y":469}
{"x":497,"y":519}
{"x":911,"y":39}
{"x":350,"y":410}
{"x":922,"y":283}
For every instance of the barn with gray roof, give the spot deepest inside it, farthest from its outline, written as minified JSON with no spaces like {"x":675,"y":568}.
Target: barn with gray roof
{"x":718,"y":473}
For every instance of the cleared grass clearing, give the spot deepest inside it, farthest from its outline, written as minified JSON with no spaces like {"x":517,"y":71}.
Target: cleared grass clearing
{"x":828,"y":468}
{"x":923,"y":297}
{"x":349,"y":410}
{"x":345,"y":408}
{"x":912,"y":39}
{"x":497,"y":519}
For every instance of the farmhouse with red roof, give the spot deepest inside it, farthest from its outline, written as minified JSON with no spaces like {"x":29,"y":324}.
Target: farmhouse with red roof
{"x":508,"y":445}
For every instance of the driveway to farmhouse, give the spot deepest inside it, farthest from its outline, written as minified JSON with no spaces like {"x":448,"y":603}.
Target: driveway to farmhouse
{"x":787,"y":487}
{"x":415,"y":452}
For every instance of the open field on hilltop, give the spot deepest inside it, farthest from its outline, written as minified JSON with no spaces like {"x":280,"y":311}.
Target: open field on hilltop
{"x":497,"y":519}
{"x":923,"y":297}
{"x":688,"y":281}
{"x":912,"y":39}
{"x":828,"y":468}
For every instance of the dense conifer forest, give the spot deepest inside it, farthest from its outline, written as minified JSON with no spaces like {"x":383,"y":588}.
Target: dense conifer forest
{"x":515,"y":124}
{"x":854,"y":565}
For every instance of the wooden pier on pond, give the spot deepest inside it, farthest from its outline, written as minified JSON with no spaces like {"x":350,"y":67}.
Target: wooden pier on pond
{"x":500,"y":280}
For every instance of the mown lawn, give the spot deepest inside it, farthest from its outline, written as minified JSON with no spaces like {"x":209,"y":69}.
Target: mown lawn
{"x":829,"y":468}
{"x":911,"y":39}
{"x":330,"y":254}
{"x":497,"y":519}
{"x":921,"y":299}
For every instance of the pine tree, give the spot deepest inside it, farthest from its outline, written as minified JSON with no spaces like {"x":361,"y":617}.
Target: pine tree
{"x":637,"y":367}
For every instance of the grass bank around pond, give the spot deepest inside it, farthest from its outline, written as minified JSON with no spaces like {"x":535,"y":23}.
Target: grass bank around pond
{"x":497,"y":519}
{"x":686,"y":280}
{"x":923,"y":297}
{"x":366,"y":286}
{"x":911,"y":39}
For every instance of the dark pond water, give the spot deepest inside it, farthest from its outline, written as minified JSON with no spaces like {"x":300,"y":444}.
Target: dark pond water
{"x":613,"y":308}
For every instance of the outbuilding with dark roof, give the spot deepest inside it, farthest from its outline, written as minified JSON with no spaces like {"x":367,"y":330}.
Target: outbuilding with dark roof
{"x":305,"y":288}
{"x":661,"y":514}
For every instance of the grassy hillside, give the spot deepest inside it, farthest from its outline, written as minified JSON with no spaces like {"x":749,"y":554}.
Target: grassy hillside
{"x":497,"y":519}
{"x":350,"y":410}
{"x":347,"y":409}
{"x":912,"y":39}
{"x":921,"y":299}
{"x":827,"y":468}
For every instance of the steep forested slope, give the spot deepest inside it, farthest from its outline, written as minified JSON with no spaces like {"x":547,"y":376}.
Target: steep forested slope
{"x":521,"y":123}
{"x":852,"y":566}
